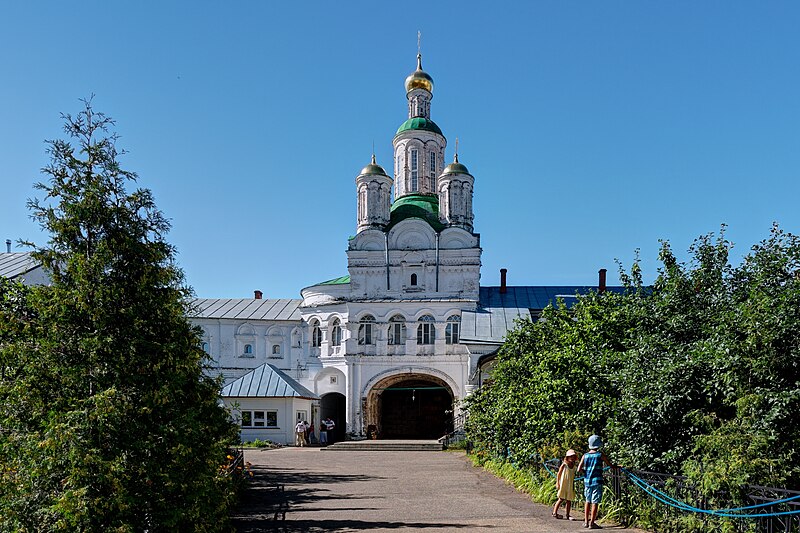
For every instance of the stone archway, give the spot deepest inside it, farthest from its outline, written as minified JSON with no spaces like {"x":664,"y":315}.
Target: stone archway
{"x":410,"y":406}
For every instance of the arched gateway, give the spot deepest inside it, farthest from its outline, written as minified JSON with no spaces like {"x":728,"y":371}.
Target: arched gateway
{"x":410,"y":406}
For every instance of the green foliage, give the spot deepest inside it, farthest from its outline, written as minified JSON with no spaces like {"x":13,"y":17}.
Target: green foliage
{"x":696,"y":375}
{"x":108,"y":422}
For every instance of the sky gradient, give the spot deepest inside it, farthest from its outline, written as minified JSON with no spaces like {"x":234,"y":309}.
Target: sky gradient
{"x":592,"y":128}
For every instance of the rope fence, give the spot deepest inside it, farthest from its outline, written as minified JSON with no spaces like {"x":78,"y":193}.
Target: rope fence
{"x":772,"y":509}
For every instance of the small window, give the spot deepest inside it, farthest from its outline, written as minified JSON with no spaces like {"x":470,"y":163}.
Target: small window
{"x":397,"y":330}
{"x":248,"y":349}
{"x":204,"y":347}
{"x":365,"y":330}
{"x":276,"y":349}
{"x":426,"y":331}
{"x":259,"y":419}
{"x":413,"y":280}
{"x":336,"y":333}
{"x":451,"y":333}
{"x":333,"y":380}
{"x":316,"y":334}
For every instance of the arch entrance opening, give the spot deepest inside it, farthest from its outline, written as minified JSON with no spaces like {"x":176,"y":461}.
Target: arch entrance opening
{"x":410,"y":406}
{"x":333,"y":405}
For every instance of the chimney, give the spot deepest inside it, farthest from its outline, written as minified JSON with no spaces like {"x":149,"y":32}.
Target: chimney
{"x":258,"y":295}
{"x":8,"y":245}
{"x":503,"y":288}
{"x":601,"y":284}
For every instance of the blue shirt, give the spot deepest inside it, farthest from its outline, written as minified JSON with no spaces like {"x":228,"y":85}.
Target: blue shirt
{"x":592,"y":469}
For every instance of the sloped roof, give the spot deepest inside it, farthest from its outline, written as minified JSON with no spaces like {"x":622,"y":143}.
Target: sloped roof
{"x":246,"y":308}
{"x":266,"y":381}
{"x":497,"y":312}
{"x":13,"y":264}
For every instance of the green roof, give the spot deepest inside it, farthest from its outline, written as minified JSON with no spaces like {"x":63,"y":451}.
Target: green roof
{"x":424,"y":206}
{"x":419,"y":123}
{"x":336,"y":281}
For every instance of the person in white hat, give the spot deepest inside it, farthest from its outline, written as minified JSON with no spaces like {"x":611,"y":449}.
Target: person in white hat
{"x":565,"y":484}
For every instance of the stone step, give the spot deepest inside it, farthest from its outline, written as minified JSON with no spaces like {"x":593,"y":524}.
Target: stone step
{"x":387,"y":446}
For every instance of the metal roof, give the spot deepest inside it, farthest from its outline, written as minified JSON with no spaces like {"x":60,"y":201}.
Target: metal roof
{"x":246,"y":308}
{"x":497,"y":312}
{"x":266,"y":381}
{"x":13,"y":264}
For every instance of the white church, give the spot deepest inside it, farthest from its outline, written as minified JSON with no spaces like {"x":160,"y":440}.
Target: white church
{"x":390,"y":349}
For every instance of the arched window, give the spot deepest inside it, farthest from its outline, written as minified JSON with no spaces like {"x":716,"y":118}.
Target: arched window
{"x":365,"y":330}
{"x":336,"y":333}
{"x":426,"y":332}
{"x":204,"y":347}
{"x":316,"y":334}
{"x":276,"y":349}
{"x":451,"y":333}
{"x":413,"y":280}
{"x":248,"y":349}
{"x":397,"y":330}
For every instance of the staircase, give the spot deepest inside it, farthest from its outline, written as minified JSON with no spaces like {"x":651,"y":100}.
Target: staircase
{"x":386,"y":446}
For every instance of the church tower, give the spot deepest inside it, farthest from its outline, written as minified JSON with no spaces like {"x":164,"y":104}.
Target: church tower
{"x":374,"y":188}
{"x":419,"y":143}
{"x":455,"y":195}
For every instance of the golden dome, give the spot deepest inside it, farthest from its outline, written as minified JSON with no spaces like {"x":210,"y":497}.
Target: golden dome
{"x":419,"y":79}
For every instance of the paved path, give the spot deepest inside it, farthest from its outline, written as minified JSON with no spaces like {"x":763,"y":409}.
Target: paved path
{"x":384,"y":491}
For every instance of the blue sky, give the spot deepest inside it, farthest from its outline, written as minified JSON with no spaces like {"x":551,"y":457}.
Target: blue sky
{"x":592,"y":128}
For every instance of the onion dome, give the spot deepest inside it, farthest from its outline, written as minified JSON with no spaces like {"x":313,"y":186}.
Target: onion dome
{"x":372,"y":169}
{"x":455,"y":167}
{"x":419,"y":79}
{"x":419,"y":123}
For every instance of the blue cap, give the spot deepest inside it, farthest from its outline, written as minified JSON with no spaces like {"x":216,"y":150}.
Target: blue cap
{"x":595,"y":442}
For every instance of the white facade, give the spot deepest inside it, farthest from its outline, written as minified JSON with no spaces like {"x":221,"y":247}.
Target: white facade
{"x":414,"y":268}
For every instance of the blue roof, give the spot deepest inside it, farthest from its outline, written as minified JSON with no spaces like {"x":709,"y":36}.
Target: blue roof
{"x":497,"y":312}
{"x":266,"y":381}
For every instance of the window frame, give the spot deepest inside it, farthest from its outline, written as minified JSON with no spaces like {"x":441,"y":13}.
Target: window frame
{"x":268,"y":418}
{"x":336,"y":332}
{"x":426,"y":330}
{"x":366,"y":330}
{"x":452,"y":333}
{"x":316,"y":334}
{"x":397,"y":330}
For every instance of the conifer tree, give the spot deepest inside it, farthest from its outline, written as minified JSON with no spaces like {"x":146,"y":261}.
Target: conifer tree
{"x":108,"y":420}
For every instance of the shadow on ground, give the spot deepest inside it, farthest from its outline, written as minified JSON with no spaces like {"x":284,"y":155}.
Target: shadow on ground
{"x":270,"y":494}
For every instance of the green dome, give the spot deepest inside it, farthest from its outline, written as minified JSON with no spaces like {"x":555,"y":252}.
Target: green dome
{"x":419,"y":123}
{"x":424,"y":206}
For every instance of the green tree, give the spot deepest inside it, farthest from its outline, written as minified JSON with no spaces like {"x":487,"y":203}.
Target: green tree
{"x":697,"y":374}
{"x":108,"y":420}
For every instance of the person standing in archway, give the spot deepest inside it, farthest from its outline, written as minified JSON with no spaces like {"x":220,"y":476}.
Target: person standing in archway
{"x":329,"y":425}
{"x":323,"y":432}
